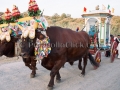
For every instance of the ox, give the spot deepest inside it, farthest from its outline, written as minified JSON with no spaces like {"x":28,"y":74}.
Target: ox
{"x":9,"y":39}
{"x":60,"y":55}
{"x":8,"y":48}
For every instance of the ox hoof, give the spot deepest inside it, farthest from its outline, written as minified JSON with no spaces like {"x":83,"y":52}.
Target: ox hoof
{"x":49,"y":88}
{"x":36,"y":68}
{"x":32,"y":76}
{"x":80,"y":67}
{"x":58,"y":80}
{"x":82,"y":75}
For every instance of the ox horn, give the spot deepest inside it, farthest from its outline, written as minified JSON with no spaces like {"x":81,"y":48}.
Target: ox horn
{"x":35,"y":23}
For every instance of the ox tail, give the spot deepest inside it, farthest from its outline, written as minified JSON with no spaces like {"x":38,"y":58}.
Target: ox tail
{"x":92,"y":60}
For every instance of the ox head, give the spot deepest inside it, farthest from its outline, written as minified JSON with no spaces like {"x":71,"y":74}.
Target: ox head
{"x":28,"y":44}
{"x":31,"y":30}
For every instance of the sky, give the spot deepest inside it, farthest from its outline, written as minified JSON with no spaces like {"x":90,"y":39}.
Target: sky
{"x":73,"y":7}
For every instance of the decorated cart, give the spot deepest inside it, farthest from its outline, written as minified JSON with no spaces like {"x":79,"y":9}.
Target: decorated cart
{"x":97,"y":25}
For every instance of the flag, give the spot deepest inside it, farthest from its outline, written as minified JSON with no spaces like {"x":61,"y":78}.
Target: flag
{"x":112,"y":10}
{"x":103,"y":7}
{"x":85,"y":9}
{"x":108,"y":7}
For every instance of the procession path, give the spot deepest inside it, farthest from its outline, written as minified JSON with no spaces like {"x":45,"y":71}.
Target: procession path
{"x":14,"y":75}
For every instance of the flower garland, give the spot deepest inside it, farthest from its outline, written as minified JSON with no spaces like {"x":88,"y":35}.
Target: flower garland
{"x":42,"y":48}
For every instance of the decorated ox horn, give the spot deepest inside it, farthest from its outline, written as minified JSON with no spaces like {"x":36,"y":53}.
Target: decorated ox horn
{"x":35,"y":25}
{"x":30,"y":26}
{"x":5,"y":32}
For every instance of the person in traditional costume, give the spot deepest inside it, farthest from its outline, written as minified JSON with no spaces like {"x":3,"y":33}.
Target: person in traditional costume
{"x":77,"y":29}
{"x":118,"y":37}
{"x":118,"y":47}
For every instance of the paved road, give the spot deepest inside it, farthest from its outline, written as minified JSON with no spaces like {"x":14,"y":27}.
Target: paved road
{"x":16,"y":76}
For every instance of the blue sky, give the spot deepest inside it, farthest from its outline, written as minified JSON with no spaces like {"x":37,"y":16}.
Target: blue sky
{"x":73,"y":7}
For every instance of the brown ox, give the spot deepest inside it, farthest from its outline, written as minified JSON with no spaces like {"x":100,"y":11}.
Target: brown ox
{"x":8,"y":48}
{"x":61,"y":54}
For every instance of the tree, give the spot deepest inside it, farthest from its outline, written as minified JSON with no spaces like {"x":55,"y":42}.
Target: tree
{"x":54,"y":21}
{"x":55,"y":16}
{"x":63,"y":16}
{"x":68,"y":15}
{"x":64,"y":23}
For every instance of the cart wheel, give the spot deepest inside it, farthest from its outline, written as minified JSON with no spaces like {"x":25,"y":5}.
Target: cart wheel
{"x":113,"y":51}
{"x":98,"y":57}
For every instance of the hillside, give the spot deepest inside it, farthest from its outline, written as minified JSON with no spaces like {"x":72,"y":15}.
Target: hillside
{"x":65,"y":20}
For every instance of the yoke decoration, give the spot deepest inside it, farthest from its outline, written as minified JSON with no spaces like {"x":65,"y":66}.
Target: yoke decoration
{"x":15,"y":13}
{"x":8,"y":16}
{"x":7,"y":30}
{"x":28,"y":28}
{"x":5,"y":33}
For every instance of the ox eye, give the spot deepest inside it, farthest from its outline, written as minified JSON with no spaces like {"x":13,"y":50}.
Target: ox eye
{"x":41,"y":36}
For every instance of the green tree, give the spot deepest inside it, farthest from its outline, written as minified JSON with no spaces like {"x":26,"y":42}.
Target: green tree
{"x":55,"y":16}
{"x":63,"y":16}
